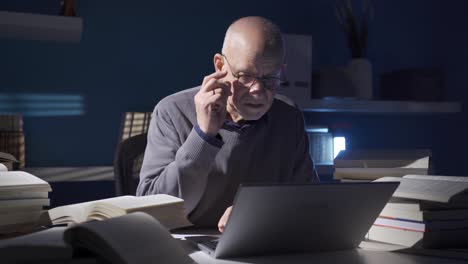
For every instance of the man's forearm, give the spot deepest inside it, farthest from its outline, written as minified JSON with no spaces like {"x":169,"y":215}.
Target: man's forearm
{"x":185,"y":176}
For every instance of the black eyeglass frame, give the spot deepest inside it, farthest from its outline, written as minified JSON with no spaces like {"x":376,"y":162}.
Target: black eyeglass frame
{"x":263,"y":80}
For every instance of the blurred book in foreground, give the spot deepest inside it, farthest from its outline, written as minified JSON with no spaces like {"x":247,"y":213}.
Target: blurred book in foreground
{"x":132,"y":238}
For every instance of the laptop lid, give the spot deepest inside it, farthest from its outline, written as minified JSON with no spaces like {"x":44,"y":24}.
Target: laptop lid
{"x":278,"y":219}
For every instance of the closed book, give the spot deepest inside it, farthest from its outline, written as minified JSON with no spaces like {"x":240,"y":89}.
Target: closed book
{"x":375,"y":164}
{"x":421,"y":226}
{"x":14,"y":205}
{"x":374,"y":173}
{"x":417,"y":215}
{"x":431,"y":188}
{"x":410,"y":238}
{"x":405,"y":158}
{"x":16,"y":182}
{"x":419,"y":205}
{"x":10,"y":218}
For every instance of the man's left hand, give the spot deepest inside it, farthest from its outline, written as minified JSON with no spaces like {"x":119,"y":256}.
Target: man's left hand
{"x":222,"y":222}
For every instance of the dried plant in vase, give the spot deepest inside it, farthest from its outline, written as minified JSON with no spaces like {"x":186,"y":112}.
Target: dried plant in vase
{"x":359,"y":70}
{"x":356,"y":35}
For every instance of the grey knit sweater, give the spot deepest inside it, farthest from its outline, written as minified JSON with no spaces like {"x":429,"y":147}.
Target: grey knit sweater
{"x":179,"y":162}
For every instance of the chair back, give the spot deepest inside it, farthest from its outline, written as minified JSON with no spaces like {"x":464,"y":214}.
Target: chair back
{"x":127,"y":164}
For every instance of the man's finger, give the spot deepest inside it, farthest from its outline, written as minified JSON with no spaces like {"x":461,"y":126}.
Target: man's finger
{"x":216,"y":75}
{"x":216,"y":103}
{"x":214,"y":84}
{"x":226,"y":87}
{"x":220,"y":91}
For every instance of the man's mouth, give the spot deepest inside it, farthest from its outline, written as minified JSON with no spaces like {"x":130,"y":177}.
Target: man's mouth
{"x":252,"y":105}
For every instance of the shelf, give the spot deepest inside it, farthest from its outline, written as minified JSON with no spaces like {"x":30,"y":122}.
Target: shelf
{"x":16,"y":25}
{"x":379,"y":107}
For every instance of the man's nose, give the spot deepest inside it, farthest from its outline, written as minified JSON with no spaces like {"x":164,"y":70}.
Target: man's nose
{"x":257,"y":86}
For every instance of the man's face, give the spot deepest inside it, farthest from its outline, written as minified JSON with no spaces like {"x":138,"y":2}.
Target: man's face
{"x":250,"y":102}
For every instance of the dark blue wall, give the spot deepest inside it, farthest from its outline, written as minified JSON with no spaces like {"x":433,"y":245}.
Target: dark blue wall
{"x":133,"y":53}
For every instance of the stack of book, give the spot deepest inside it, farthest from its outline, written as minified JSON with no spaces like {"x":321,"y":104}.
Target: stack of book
{"x":22,"y":198}
{"x":425,"y":211}
{"x":368,"y":165}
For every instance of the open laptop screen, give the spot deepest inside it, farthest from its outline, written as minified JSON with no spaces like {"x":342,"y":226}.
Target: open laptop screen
{"x":277,"y":219}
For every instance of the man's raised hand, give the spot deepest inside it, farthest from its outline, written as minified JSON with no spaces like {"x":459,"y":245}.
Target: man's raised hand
{"x":210,"y":102}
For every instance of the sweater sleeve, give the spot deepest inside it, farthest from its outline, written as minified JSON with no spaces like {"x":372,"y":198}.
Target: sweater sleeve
{"x":171,"y":166}
{"x":304,"y":169}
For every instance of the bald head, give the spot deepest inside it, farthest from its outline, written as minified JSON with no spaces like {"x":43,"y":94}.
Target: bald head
{"x":256,"y":36}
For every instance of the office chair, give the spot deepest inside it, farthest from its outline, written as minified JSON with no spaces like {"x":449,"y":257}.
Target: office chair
{"x":127,"y":164}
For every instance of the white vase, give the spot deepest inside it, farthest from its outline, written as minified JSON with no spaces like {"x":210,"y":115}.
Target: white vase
{"x":360,"y":74}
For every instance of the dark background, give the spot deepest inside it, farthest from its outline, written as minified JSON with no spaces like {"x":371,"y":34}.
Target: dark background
{"x":134,"y":53}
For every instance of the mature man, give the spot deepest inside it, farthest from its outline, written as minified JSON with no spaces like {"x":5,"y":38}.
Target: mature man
{"x":203,"y":142}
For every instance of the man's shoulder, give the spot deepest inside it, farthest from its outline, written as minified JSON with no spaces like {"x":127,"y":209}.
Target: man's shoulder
{"x":284,"y":106}
{"x":182,"y":100}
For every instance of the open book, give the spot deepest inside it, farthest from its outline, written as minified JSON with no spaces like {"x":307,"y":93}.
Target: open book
{"x":167,"y":209}
{"x":133,"y":238}
{"x":441,"y":189}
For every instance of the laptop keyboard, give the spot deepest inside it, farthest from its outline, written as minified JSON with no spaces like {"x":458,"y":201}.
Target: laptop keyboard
{"x":211,"y":243}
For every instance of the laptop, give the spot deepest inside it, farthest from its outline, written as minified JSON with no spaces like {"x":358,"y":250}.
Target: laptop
{"x":280,"y":219}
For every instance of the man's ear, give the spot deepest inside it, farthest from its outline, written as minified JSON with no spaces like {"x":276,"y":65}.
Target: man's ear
{"x":218,"y":62}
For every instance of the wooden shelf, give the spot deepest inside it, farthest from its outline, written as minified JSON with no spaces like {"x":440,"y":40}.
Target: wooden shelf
{"x":334,"y":105}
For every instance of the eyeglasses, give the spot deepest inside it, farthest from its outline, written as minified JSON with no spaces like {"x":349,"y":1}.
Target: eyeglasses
{"x":270,"y":83}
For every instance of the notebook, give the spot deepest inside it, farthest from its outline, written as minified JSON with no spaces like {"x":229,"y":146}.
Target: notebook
{"x":280,"y":219}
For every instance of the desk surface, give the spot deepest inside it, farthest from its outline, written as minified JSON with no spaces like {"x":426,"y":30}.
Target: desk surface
{"x":357,"y":256}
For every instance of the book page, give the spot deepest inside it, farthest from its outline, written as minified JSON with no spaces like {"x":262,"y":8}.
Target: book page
{"x":427,"y":190}
{"x":68,"y":214}
{"x":374,"y":173}
{"x":438,"y":177}
{"x":77,"y":213}
{"x":128,"y":203}
{"x":419,"y":163}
